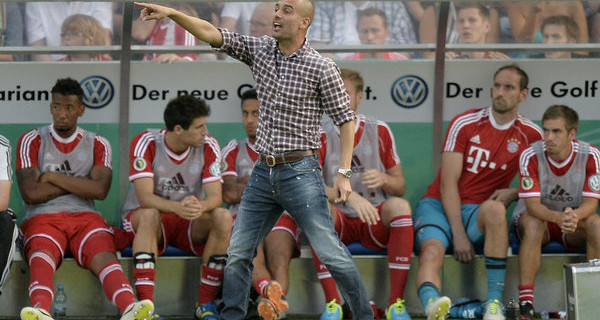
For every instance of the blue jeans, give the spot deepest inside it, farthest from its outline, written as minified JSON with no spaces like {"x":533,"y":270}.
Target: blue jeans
{"x":298,"y":188}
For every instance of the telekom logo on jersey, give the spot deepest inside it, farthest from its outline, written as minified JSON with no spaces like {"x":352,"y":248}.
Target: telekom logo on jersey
{"x":479,"y":157}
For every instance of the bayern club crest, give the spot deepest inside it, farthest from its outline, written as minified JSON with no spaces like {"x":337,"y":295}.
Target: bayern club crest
{"x":512,"y":145}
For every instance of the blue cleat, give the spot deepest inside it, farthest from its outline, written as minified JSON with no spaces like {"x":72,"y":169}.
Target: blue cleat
{"x":397,"y":311}
{"x":333,"y":311}
{"x":467,"y":309}
{"x":207,"y":311}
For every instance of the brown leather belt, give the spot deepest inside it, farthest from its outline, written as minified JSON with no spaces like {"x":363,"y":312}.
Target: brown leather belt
{"x":287,"y":157}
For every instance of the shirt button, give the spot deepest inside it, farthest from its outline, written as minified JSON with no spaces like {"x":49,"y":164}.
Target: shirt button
{"x":279,"y":94}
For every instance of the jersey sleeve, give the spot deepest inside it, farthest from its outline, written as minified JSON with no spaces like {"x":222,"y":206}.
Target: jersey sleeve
{"x":28,"y":148}
{"x":212,"y":161}
{"x":529,"y":182}
{"x":591,"y":187}
{"x":102,"y":152}
{"x":142,"y":151}
{"x":5,"y":155}
{"x":387,"y":146}
{"x":229,"y":155}
{"x":456,"y":136}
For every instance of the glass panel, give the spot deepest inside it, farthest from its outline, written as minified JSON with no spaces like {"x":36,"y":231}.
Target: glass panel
{"x":167,"y":33}
{"x":11,"y":28}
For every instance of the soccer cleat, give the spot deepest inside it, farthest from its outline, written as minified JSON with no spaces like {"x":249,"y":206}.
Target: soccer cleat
{"x":397,"y":311}
{"x":274,"y":293}
{"x":333,"y":311}
{"x":30,"y":313}
{"x":493,"y":310}
{"x":267,"y":310}
{"x":526,"y":310}
{"x":467,"y":309}
{"x":438,"y":308}
{"x":141,"y":310}
{"x":207,"y":311}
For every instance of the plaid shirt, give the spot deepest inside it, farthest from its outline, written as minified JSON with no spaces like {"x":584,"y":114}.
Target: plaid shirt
{"x":293,"y":92}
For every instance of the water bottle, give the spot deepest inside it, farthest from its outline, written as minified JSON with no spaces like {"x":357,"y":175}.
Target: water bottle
{"x":60,"y":303}
{"x":512,"y":310}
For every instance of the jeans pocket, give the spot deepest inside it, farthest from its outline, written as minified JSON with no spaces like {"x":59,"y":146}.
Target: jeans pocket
{"x":306,"y":165}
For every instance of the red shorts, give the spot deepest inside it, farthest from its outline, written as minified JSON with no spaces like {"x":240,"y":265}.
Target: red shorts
{"x":176,"y":232}
{"x":83,"y":234}
{"x":352,"y":229}
{"x":287,"y":224}
{"x":554,"y":233}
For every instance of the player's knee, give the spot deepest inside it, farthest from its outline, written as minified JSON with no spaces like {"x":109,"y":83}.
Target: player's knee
{"x":493,"y":212}
{"x":531,"y":227}
{"x":148,"y":218}
{"x":592,"y":225}
{"x":222,"y":219}
{"x":396,"y":207}
{"x":430,"y":252}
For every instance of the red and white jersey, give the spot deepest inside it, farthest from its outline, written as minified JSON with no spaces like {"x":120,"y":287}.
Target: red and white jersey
{"x":73,"y":156}
{"x":387,"y":145}
{"x":174,"y":175}
{"x":232,"y":156}
{"x":387,"y":56}
{"x":374,"y":148}
{"x":168,"y":33}
{"x":490,"y":152}
{"x":530,"y":186}
{"x":29,"y":146}
{"x":143,"y":147}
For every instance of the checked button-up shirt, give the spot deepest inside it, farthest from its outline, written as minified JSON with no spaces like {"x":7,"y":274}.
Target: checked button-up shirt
{"x":293,"y":92}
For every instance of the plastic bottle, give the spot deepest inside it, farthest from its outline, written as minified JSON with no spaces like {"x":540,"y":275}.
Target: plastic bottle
{"x":60,"y":303}
{"x":512,"y":310}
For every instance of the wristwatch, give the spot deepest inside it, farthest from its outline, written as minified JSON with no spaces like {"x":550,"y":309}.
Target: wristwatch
{"x":345,"y":172}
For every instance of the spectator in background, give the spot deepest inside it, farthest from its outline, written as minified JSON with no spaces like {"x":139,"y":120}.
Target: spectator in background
{"x":428,"y":26}
{"x":373,"y":29}
{"x":559,"y":30}
{"x":11,"y":29}
{"x":167,"y":33}
{"x":335,"y":22}
{"x":526,"y":18}
{"x":261,"y":22}
{"x":473,"y":26}
{"x":236,"y":16}
{"x":82,"y":30}
{"x":44,"y":19}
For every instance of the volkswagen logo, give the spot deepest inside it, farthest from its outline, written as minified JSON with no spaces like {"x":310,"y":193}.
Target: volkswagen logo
{"x":97,"y":92}
{"x":409,"y":91}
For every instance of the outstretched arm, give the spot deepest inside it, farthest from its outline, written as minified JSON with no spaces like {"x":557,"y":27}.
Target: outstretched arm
{"x":201,"y":29}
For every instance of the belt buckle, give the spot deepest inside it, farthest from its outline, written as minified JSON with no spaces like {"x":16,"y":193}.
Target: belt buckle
{"x":270,"y":160}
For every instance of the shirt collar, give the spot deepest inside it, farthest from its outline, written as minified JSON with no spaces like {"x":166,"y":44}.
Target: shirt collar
{"x":298,"y":53}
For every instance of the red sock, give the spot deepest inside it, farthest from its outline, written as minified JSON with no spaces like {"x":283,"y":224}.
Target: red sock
{"x":526,"y":293}
{"x":41,"y":286}
{"x":144,"y":283}
{"x":400,"y":247}
{"x":209,"y":284}
{"x":327,"y":282}
{"x":116,"y":287}
{"x":261,"y":284}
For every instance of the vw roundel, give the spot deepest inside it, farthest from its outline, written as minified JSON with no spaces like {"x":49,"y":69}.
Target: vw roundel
{"x":97,"y":92}
{"x":409,"y":91}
